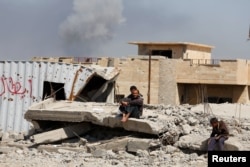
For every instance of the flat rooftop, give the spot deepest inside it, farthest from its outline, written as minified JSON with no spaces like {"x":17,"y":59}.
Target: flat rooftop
{"x":170,"y":43}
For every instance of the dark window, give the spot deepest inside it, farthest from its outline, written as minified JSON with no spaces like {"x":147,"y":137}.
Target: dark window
{"x":53,"y":89}
{"x":91,"y":92}
{"x":166,"y":53}
{"x":90,"y":89}
{"x":219,"y":100}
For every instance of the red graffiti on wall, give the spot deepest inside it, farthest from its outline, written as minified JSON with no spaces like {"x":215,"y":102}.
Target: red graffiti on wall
{"x":8,"y":85}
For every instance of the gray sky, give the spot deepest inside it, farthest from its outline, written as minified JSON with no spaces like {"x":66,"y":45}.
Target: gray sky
{"x":34,"y":27}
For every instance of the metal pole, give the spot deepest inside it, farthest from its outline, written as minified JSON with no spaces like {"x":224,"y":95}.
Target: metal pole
{"x":149,"y":75}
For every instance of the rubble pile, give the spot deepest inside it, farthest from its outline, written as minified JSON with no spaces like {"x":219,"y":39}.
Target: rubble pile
{"x":181,"y":140}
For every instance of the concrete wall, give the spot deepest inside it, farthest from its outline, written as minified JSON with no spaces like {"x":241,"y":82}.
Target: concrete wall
{"x":176,"y":81}
{"x":168,"y":93}
{"x":195,"y":52}
{"x":134,"y":71}
{"x":231,"y":72}
{"x":240,"y":94}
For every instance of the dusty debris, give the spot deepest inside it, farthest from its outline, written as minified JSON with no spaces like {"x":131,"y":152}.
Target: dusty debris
{"x":138,"y":144}
{"x":6,"y":149}
{"x":181,"y":142}
{"x":113,"y":144}
{"x":57,"y":148}
{"x":82,"y":141}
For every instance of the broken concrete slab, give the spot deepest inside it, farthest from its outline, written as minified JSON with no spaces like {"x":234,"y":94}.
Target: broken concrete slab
{"x":114,"y":144}
{"x":61,"y":133}
{"x":138,"y":125}
{"x":192,"y":142}
{"x":18,"y":145}
{"x":59,"y":148}
{"x":232,"y":144}
{"x":129,"y":144}
{"x":5,"y":149}
{"x":96,"y":113}
{"x":138,"y":144}
{"x":99,"y":153}
{"x":199,"y":143}
{"x":142,"y":153}
{"x":169,"y":149}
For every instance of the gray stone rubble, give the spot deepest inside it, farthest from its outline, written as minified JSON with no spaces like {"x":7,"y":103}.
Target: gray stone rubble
{"x":181,"y":140}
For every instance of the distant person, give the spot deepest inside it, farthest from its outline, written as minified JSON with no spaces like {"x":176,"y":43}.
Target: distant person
{"x":218,"y":136}
{"x":131,"y":106}
{"x":132,"y":88}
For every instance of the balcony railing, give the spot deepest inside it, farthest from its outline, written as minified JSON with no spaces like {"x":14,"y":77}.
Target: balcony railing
{"x":213,"y":62}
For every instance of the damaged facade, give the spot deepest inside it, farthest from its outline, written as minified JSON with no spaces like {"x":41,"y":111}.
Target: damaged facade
{"x":165,"y":73}
{"x":182,"y":73}
{"x":177,"y":73}
{"x":23,"y":83}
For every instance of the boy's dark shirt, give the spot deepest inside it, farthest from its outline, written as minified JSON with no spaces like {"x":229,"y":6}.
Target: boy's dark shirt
{"x":138,"y":101}
{"x":220,"y":130}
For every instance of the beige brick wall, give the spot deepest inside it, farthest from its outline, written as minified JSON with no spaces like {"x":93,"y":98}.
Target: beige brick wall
{"x":134,"y":71}
{"x":194,"y":54}
{"x":228,"y":72}
{"x":171,"y":79}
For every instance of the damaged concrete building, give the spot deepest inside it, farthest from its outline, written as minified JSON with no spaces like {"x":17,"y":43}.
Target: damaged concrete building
{"x":165,"y":73}
{"x":70,"y":103}
{"x":177,"y":73}
{"x":181,"y":73}
{"x":23,"y":83}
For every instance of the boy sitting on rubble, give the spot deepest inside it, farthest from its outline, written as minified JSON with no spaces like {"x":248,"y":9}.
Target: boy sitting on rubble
{"x":131,"y":106}
{"x":218,"y":136}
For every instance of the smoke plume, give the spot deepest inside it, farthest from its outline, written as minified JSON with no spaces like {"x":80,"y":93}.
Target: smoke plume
{"x":91,"y":24}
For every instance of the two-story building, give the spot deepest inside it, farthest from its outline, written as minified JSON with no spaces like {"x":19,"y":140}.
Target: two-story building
{"x":181,"y":72}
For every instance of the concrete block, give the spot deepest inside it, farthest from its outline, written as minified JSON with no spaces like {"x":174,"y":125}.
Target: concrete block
{"x":186,"y":129}
{"x":138,"y":144}
{"x":99,"y":153}
{"x":83,"y":141}
{"x":232,"y":144}
{"x":192,"y":142}
{"x":197,"y":142}
{"x":169,"y":149}
{"x":114,"y":144}
{"x":58,"y":149}
{"x":6,"y":150}
{"x":61,"y":133}
{"x":192,"y":121}
{"x":142,"y":153}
